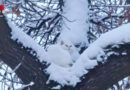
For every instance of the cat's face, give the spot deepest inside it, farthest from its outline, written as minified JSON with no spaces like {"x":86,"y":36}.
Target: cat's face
{"x":66,"y":45}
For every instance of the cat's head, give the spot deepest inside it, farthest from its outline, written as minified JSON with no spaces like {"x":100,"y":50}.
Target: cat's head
{"x":67,"y":45}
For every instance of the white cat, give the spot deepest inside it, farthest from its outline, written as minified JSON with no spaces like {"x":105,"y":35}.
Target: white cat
{"x":63,"y":54}
{"x":59,"y":56}
{"x":68,"y":45}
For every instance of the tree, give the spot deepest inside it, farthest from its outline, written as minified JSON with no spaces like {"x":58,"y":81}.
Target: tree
{"x":29,"y":70}
{"x":12,"y":54}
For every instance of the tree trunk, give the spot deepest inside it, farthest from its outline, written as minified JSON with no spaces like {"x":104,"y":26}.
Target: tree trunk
{"x":99,"y":78}
{"x":12,"y":54}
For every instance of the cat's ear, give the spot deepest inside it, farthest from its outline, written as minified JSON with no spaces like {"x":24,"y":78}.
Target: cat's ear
{"x":61,"y":42}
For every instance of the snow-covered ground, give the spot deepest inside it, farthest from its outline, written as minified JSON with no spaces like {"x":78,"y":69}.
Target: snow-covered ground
{"x":71,"y":76}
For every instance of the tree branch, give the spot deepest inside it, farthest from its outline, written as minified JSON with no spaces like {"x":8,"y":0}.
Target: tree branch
{"x":105,"y":75}
{"x":100,"y":78}
{"x":12,"y":54}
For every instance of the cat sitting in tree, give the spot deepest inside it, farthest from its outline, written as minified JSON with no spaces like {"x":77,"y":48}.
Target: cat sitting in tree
{"x":63,"y":54}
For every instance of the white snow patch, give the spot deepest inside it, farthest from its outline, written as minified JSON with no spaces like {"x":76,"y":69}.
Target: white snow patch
{"x":64,"y":76}
{"x":56,"y":87}
{"x":124,"y":53}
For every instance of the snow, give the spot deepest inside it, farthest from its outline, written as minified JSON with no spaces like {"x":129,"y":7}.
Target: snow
{"x":56,"y":87}
{"x":59,"y":56}
{"x":24,"y":86}
{"x":71,"y":76}
{"x":75,"y":26}
{"x":124,"y":53}
{"x":87,"y":60}
{"x":64,"y":76}
{"x":26,"y":41}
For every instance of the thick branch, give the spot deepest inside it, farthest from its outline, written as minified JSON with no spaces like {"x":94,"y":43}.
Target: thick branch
{"x":104,"y":76}
{"x":100,"y":78}
{"x":12,"y":54}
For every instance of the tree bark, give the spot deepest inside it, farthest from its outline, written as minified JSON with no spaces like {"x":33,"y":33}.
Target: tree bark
{"x":12,"y":54}
{"x":105,"y":75}
{"x":99,"y":78}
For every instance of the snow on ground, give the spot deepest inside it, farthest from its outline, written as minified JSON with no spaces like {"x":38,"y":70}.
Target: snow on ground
{"x":71,"y":76}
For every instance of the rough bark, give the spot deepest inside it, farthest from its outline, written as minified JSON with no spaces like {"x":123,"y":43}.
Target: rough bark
{"x":105,"y":75}
{"x":12,"y":54}
{"x":99,"y":78}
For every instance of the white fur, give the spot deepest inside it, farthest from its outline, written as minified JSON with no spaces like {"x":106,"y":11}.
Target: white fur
{"x":59,"y":56}
{"x":68,"y":45}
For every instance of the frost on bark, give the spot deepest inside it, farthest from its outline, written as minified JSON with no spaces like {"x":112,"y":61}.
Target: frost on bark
{"x":99,"y":78}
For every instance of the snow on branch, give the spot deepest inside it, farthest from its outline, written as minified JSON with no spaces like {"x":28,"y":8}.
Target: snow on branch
{"x":24,"y":86}
{"x":76,"y":30}
{"x":72,"y":75}
{"x":26,"y":41}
